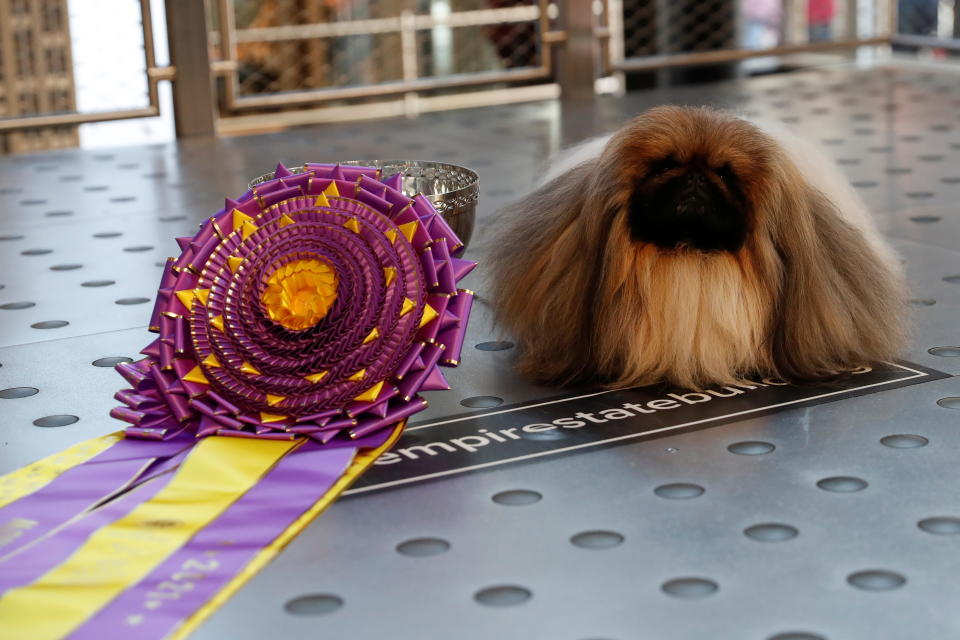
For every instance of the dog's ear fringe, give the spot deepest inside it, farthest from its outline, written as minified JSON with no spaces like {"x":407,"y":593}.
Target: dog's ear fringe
{"x":840,"y":304}
{"x":542,"y":272}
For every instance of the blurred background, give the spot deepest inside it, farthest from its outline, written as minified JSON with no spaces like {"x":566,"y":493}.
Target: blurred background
{"x":85,"y":73}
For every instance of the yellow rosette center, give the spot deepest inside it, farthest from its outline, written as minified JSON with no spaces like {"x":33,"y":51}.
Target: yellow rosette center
{"x":299,"y":294}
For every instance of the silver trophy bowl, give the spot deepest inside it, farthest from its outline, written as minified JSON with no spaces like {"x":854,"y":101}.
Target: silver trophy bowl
{"x":452,"y":189}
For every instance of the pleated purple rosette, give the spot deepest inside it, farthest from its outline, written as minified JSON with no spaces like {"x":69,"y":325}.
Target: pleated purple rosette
{"x":223,"y":365}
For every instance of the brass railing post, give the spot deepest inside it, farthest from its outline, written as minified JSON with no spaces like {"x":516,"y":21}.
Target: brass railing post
{"x":194,"y":98}
{"x":577,"y":58}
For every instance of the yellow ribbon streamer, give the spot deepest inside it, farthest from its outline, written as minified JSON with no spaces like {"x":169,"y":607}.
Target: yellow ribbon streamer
{"x":215,"y":474}
{"x":33,"y":477}
{"x":360,"y":464}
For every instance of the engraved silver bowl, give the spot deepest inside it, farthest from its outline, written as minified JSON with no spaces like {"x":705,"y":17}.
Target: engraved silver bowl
{"x":452,"y":189}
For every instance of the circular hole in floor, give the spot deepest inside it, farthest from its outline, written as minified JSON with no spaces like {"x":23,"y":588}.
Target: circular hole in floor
{"x":517,"y":497}
{"x":796,"y":635}
{"x":507,"y":595}
{"x":138,"y":248}
{"x":925,"y":219}
{"x":50,"y":324}
{"x":876,"y":580}
{"x":954,"y":279}
{"x":751,"y":448}
{"x":952,"y":402}
{"x":55,"y":421}
{"x":689,"y":587}
{"x":597,"y":539}
{"x":171,"y":218}
{"x":423,"y":547}
{"x":13,"y":306}
{"x":941,"y":525}
{"x":494,"y":346}
{"x":107,"y":234}
{"x":65,"y":267}
{"x":36,"y":252}
{"x":919,"y":195}
{"x":842,"y":484}
{"x":679,"y":490}
{"x":130,"y":301}
{"x":921,"y":302}
{"x":98,"y":283}
{"x":18,"y":392}
{"x":58,"y":214}
{"x":864,"y":184}
{"x":904,"y":441}
{"x":10,"y":237}
{"x":944,"y":352}
{"x":482,"y":402}
{"x":771,"y":532}
{"x":110,"y":361}
{"x":314,"y":604}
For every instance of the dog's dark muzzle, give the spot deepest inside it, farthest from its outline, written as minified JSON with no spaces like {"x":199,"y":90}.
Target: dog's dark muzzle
{"x":688,"y":211}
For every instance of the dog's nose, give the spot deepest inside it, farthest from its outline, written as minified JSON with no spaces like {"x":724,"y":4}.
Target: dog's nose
{"x":694,"y":196}
{"x":696,"y":180}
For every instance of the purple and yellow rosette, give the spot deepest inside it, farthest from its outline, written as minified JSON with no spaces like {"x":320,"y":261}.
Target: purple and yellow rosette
{"x":296,"y":330}
{"x":319,"y":303}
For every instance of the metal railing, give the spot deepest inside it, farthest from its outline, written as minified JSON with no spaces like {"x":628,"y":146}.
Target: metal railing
{"x":928,"y":24}
{"x":250,"y":64}
{"x":647,"y":35}
{"x":396,"y":43}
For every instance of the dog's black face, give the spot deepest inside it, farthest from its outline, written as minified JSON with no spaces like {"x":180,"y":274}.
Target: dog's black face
{"x":691,"y":204}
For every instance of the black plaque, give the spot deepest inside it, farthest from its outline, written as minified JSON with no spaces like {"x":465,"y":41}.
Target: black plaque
{"x":579,"y":422}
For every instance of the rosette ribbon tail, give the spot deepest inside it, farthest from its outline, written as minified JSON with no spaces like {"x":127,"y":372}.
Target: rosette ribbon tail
{"x":43,"y":496}
{"x":203,"y":544}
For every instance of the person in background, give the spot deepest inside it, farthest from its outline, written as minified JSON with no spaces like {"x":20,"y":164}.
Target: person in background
{"x":819,"y":19}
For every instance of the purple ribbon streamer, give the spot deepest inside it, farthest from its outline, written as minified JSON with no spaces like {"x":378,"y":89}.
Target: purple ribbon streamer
{"x":162,"y":600}
{"x":30,"y":563}
{"x":85,"y":485}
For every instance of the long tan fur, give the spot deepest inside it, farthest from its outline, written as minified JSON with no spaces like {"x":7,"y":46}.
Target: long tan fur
{"x":806,"y":298}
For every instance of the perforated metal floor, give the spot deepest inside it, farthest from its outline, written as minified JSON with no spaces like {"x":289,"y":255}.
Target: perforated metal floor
{"x":824,"y":527}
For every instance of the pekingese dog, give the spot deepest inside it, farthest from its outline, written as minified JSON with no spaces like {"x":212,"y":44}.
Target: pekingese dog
{"x":695,"y":247}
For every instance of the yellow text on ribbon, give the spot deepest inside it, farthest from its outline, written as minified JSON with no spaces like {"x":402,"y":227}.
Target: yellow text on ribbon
{"x":215,"y":474}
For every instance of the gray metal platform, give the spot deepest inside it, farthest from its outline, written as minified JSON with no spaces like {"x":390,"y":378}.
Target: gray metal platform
{"x":585,"y":546}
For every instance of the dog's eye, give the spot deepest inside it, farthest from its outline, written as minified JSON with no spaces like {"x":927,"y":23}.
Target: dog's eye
{"x":726,"y":174}
{"x":662,"y":166}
